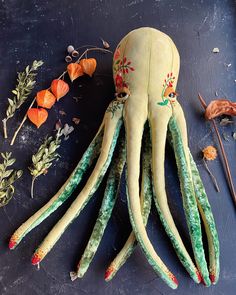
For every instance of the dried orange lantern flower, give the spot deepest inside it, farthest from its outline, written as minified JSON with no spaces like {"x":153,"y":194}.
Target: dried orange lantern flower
{"x":45,"y":99}
{"x":59,"y":88}
{"x":74,"y":71}
{"x":37,"y":116}
{"x":209,"y":153}
{"x":88,"y":65}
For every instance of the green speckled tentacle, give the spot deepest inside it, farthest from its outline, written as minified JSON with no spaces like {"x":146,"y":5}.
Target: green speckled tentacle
{"x":105,"y":211}
{"x":209,"y":223}
{"x":134,"y":126}
{"x":186,"y":261}
{"x":112,"y":128}
{"x":64,"y":193}
{"x":189,"y":200}
{"x":159,"y":127}
{"x":146,"y":201}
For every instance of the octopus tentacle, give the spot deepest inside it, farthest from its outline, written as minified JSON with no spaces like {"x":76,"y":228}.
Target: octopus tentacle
{"x":112,"y":126}
{"x":159,"y":126}
{"x":146,"y":201}
{"x":64,"y":193}
{"x":209,"y":223}
{"x":178,"y":131}
{"x":105,"y":211}
{"x":134,"y":124}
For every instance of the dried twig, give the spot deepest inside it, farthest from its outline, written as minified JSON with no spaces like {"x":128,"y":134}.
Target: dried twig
{"x":212,"y":176}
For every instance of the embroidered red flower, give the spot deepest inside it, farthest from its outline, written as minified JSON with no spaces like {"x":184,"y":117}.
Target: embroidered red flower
{"x":117,"y":53}
{"x":119,"y":81}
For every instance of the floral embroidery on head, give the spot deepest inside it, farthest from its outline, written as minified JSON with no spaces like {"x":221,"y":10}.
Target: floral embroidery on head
{"x":121,"y":67}
{"x":168,"y":93}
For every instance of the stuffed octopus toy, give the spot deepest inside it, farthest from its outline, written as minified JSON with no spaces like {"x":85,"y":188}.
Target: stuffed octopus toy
{"x":132,"y":137}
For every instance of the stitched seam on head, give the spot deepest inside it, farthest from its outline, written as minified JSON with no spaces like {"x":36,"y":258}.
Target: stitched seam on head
{"x":149,"y":63}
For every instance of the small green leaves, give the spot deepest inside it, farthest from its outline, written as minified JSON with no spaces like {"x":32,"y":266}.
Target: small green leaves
{"x":7,"y":178}
{"x":46,"y":154}
{"x":25,"y":85}
{"x":163,"y":103}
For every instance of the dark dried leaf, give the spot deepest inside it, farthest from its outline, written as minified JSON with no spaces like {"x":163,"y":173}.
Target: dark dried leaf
{"x":225,"y":121}
{"x":58,"y":125}
{"x":76,"y":120}
{"x":63,"y":113}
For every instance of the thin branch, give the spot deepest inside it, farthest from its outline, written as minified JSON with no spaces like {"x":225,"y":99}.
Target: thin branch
{"x":21,"y":124}
{"x":212,"y":176}
{"x":32,"y":187}
{"x":4,"y":122}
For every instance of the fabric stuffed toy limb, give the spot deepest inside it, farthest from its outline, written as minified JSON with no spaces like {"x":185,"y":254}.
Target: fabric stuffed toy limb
{"x":145,"y":67}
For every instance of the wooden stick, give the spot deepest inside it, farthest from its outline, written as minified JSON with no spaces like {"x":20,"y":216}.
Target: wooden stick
{"x":227,"y":168}
{"x":21,"y":124}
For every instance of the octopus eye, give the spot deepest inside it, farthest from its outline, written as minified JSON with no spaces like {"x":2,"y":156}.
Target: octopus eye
{"x":122,"y":96}
{"x":172,"y":95}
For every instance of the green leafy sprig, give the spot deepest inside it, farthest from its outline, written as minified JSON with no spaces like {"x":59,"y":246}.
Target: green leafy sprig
{"x":43,"y":159}
{"x":7,"y":178}
{"x":25,"y":85}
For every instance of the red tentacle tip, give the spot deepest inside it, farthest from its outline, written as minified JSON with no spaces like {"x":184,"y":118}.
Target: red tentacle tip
{"x":199,"y":276}
{"x":175,"y":280}
{"x":212,"y":278}
{"x":36,"y":259}
{"x":108,"y":273}
{"x":12,"y":244}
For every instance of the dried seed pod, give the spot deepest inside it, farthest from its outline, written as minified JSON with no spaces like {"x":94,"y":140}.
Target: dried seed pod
{"x":45,"y":99}
{"x":88,"y":65}
{"x":220,"y":107}
{"x":37,"y":116}
{"x":74,"y":53}
{"x":70,"y":49}
{"x":105,"y":44}
{"x":68,"y":58}
{"x":59,"y":88}
{"x":74,"y":71}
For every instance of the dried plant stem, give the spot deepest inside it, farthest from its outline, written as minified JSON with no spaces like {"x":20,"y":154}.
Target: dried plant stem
{"x":228,"y":172}
{"x":32,"y":187}
{"x":4,"y":122}
{"x":60,"y":77}
{"x":93,"y":49}
{"x":22,"y":123}
{"x":212,"y":176}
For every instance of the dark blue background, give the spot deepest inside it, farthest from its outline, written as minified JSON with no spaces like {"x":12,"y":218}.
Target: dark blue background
{"x":42,"y":30}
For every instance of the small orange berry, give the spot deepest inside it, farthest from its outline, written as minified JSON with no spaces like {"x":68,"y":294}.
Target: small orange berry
{"x":209,"y":153}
